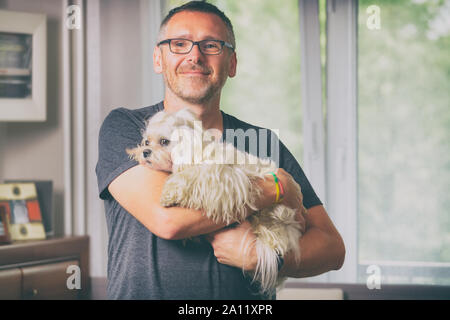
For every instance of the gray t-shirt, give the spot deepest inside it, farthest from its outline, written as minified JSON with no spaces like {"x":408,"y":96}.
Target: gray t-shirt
{"x":144,"y":266}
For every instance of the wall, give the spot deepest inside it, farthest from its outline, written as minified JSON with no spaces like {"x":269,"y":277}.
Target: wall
{"x":126,"y":53}
{"x":120,"y":50}
{"x":118,"y":46}
{"x":34,"y":150}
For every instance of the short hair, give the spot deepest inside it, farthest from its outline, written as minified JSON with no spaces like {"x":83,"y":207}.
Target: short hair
{"x":199,"y":6}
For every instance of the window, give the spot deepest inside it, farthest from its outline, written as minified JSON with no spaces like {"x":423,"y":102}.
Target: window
{"x":386,"y":103}
{"x":403,"y":141}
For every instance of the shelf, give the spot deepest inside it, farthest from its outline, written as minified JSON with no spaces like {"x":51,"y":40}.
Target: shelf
{"x":42,"y":266}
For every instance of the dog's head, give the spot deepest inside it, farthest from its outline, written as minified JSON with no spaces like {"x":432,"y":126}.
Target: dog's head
{"x":161,"y":135}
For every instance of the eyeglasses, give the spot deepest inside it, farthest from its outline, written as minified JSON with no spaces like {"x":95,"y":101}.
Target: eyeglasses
{"x":183,"y":46}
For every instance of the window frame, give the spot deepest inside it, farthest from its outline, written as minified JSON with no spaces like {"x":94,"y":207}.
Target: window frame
{"x":342,"y":132}
{"x":342,"y":201}
{"x":330,"y":145}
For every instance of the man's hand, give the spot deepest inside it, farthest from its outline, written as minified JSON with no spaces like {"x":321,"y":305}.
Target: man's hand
{"x":293,"y":196}
{"x":235,"y":246}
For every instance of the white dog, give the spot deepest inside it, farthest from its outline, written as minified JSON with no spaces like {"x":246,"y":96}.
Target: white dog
{"x":213,"y":176}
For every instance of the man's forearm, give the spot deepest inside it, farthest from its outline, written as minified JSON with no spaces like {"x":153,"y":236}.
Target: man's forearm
{"x":184,"y":223}
{"x":319,"y":252}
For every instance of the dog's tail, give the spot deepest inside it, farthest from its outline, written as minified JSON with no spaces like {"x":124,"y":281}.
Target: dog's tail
{"x":277,"y":233}
{"x":266,"y":272}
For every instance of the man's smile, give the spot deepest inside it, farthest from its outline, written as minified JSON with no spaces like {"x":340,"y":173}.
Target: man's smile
{"x":195,"y":73}
{"x":194,"y":70}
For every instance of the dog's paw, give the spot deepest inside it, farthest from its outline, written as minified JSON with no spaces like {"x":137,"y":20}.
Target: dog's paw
{"x":168,"y":199}
{"x":171,"y":195}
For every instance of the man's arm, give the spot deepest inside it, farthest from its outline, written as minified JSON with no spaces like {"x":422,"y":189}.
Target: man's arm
{"x":321,"y":247}
{"x":139,"y":190}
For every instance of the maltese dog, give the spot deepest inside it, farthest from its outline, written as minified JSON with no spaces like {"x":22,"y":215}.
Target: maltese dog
{"x":215,"y":177}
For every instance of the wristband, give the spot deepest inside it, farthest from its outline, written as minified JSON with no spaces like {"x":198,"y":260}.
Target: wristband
{"x":277,"y":186}
{"x":281,"y":190}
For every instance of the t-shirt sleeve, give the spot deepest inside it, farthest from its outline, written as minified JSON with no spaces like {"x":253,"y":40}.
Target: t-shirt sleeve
{"x":119,"y":131}
{"x":290,"y":164}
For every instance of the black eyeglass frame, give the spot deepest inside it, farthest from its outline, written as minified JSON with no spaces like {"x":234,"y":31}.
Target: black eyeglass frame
{"x":222,"y":43}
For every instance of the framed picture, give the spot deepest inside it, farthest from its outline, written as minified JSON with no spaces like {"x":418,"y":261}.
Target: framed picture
{"x":23,"y":66}
{"x":20,"y":202}
{"x":44,"y":189}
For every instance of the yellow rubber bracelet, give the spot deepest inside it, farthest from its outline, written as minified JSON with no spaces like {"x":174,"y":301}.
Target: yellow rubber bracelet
{"x":275,"y":178}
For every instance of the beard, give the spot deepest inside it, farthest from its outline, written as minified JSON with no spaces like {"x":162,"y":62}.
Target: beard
{"x":195,"y":89}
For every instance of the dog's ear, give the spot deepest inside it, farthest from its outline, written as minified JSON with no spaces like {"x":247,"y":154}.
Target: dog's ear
{"x":185,"y":117}
{"x":157,"y":118}
{"x":187,"y":114}
{"x":134,"y":153}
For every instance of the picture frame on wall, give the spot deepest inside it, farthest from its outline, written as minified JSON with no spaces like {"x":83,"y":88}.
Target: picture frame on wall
{"x":23,"y":66}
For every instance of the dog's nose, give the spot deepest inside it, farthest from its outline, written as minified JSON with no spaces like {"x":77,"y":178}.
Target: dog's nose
{"x":147,"y":153}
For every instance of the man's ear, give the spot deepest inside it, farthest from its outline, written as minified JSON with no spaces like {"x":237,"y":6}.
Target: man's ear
{"x":157,"y":62}
{"x":233,"y":65}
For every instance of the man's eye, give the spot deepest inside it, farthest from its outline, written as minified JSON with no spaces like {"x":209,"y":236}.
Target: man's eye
{"x":164,"y":142}
{"x":210,"y":45}
{"x":180,"y":44}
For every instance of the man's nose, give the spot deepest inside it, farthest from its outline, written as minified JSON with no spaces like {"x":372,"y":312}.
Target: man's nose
{"x":195,"y":54}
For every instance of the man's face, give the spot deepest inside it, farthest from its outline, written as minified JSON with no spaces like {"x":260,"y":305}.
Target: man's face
{"x":194,"y":76}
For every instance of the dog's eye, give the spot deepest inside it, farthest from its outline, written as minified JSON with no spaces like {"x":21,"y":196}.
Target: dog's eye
{"x":146,"y":142}
{"x":164,"y":142}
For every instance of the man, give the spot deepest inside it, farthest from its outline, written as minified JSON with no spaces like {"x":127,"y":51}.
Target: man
{"x":146,"y":260}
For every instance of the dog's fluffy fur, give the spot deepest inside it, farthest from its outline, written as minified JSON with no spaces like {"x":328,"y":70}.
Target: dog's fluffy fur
{"x":205,"y":176}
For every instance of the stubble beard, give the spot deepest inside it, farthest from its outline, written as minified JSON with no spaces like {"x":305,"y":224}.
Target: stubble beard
{"x":195,"y":90}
